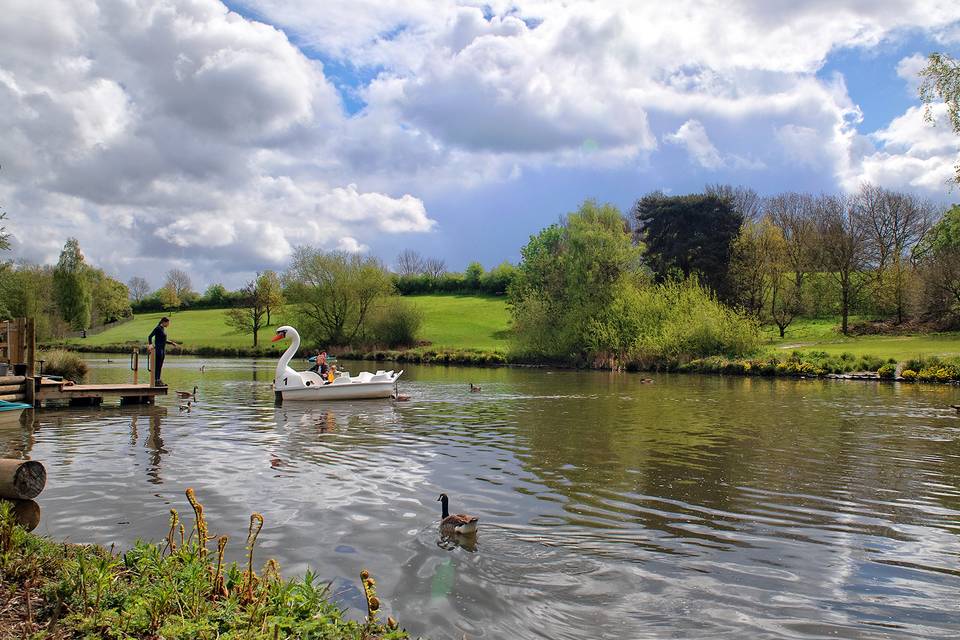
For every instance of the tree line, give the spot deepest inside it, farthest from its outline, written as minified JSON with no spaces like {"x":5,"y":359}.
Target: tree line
{"x":876,"y":252}
{"x":695,"y":275}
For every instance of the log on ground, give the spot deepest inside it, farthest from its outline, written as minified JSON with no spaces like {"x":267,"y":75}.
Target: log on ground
{"x":26,"y":513}
{"x":21,"y":479}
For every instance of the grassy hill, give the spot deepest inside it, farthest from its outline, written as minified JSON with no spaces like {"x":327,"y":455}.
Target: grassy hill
{"x":450,"y":321}
{"x":824,"y":335}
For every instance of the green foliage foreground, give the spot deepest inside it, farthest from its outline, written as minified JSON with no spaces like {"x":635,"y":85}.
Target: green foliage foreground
{"x":177,"y":589}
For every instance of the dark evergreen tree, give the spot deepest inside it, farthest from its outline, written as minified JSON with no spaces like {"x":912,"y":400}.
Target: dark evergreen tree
{"x":690,"y":234}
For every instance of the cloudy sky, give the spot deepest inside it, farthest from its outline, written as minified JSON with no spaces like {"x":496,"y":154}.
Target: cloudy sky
{"x":215,"y":137}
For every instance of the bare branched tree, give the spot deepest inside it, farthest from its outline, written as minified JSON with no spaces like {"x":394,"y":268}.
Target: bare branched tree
{"x":179,"y":281}
{"x":409,"y":263}
{"x":745,"y":200}
{"x":434,"y":267}
{"x":842,"y":249}
{"x":139,"y":287}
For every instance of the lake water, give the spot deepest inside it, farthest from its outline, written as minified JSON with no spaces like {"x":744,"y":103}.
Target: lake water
{"x":693,"y":507}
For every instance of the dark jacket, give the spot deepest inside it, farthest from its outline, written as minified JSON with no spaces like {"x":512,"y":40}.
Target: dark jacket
{"x":158,"y":337}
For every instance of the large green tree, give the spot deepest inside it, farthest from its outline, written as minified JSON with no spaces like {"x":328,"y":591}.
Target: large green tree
{"x":335,"y":292}
{"x":572,"y":284}
{"x":71,"y":286}
{"x":111,"y":298}
{"x":692,"y":234}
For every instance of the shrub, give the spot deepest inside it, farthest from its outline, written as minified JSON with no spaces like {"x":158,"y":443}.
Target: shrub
{"x":60,"y":362}
{"x":887,"y":371}
{"x":909,"y":375}
{"x":396,"y":323}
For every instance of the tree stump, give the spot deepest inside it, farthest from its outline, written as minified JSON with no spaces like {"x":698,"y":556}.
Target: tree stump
{"x":21,"y":479}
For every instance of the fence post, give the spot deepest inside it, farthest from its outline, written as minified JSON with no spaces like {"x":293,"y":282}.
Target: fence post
{"x":30,"y":337}
{"x":135,"y":364}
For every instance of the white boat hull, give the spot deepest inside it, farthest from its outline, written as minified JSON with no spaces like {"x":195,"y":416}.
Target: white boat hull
{"x":346,"y":391}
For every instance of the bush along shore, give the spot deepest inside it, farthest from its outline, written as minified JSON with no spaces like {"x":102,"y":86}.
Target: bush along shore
{"x":179,"y":588}
{"x":818,"y":364}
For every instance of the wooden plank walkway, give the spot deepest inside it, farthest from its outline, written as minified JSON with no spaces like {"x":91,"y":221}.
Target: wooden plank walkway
{"x":55,"y":391}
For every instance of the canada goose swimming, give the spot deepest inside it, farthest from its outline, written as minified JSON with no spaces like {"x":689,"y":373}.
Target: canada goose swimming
{"x":186,"y":407}
{"x":187,"y":394}
{"x":457,"y":523}
{"x":474,"y":388}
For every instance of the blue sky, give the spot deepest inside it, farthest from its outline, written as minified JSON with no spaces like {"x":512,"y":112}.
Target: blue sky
{"x":216,"y":138}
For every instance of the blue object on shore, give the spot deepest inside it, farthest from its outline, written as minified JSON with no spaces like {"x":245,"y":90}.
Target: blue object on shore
{"x":13,"y":406}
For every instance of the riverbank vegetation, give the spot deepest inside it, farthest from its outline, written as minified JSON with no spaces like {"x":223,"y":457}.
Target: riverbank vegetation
{"x":178,"y":588}
{"x":64,"y":363}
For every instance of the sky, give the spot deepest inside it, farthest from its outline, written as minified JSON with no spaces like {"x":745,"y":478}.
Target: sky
{"x":215,"y":138}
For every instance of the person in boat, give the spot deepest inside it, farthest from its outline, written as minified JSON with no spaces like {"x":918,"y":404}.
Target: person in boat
{"x":157,"y":342}
{"x":320,"y":366}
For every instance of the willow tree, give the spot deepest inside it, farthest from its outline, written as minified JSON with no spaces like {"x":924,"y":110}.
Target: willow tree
{"x":574,"y":286}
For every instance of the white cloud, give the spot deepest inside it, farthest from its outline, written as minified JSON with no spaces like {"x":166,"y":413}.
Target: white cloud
{"x":350,"y":245}
{"x":182,"y":128}
{"x":693,"y":136}
{"x":909,"y":69}
{"x":203,"y":138}
{"x":913,"y":153}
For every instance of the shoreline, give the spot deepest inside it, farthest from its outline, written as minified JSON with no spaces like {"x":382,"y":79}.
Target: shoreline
{"x":797,"y":364}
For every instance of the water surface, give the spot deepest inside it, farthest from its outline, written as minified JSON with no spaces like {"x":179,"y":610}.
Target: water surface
{"x":693,"y":507}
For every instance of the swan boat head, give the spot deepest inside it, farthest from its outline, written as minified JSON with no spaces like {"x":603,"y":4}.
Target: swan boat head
{"x":286,"y":377}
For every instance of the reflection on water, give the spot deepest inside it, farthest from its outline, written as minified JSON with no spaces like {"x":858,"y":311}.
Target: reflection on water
{"x":692,"y":507}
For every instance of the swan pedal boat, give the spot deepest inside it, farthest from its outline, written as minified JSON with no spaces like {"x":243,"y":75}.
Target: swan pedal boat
{"x":307,"y":385}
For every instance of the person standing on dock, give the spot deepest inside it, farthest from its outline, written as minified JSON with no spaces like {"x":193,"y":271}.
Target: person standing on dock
{"x":157,"y":341}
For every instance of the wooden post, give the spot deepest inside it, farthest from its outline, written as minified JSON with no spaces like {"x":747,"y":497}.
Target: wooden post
{"x":153,"y":367}
{"x":21,"y":479}
{"x":135,"y":364}
{"x":30,"y":339}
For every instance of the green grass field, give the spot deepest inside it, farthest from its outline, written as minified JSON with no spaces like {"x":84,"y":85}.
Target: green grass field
{"x":817,"y":334}
{"x":464,"y":322}
{"x":481,"y":323}
{"x":203,"y":327}
{"x":450,"y":321}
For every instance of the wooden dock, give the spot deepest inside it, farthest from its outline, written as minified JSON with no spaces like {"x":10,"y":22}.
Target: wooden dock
{"x":57,"y":392}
